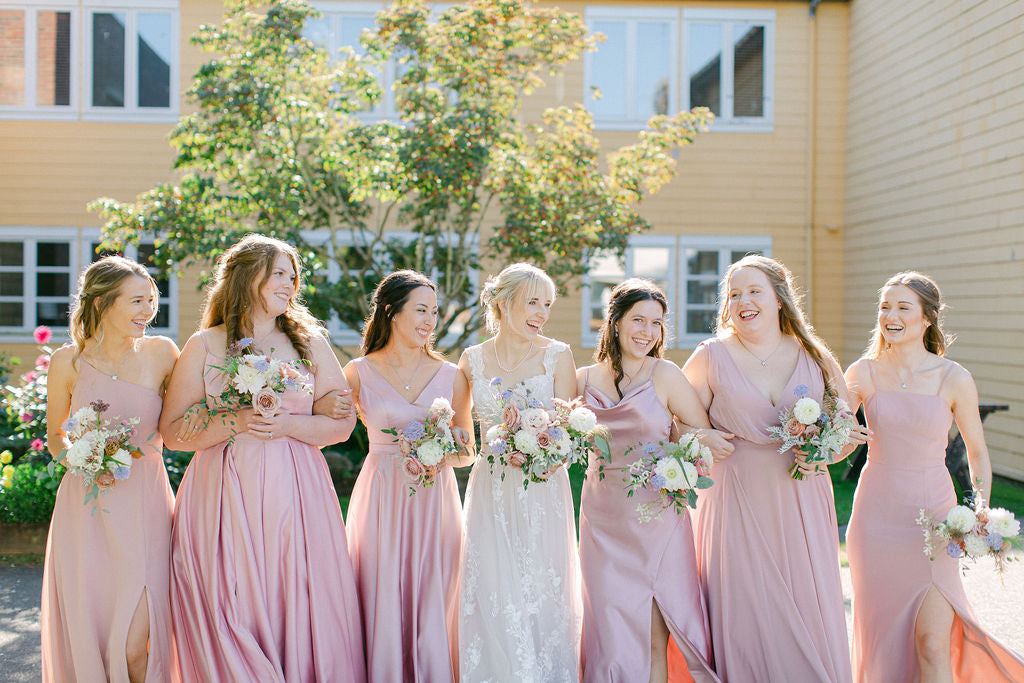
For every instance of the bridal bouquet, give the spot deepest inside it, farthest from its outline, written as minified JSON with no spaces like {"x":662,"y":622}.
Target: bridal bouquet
{"x":673,"y":470}
{"x":818,"y":431}
{"x":257,"y":380}
{"x":539,"y":441}
{"x":100,"y":452}
{"x":426,"y":445}
{"x":973,"y":533}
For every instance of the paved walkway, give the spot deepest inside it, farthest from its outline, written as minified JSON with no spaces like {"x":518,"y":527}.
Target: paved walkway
{"x":1000,"y":607}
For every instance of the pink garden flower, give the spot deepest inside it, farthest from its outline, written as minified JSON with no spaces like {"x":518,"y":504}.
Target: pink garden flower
{"x":42,"y":334}
{"x":37,"y":444}
{"x":43,"y":362}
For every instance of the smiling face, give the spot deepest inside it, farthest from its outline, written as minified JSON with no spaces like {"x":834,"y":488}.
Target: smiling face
{"x":278,"y":290}
{"x":901,"y":318}
{"x":640,"y":329}
{"x":752,"y":302}
{"x":133,"y":308}
{"x":525,"y":313}
{"x":414,"y":324}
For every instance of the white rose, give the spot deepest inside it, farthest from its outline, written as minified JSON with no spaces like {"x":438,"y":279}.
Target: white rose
{"x":1002,"y":522}
{"x":582,"y":420}
{"x":976,"y":545}
{"x":249,"y":380}
{"x":430,"y":453}
{"x":122,"y":457}
{"x":78,"y":453}
{"x":492,"y":433}
{"x":961,"y":519}
{"x":535,"y":419}
{"x":679,"y":475}
{"x":526,"y":442}
{"x":806,"y":410}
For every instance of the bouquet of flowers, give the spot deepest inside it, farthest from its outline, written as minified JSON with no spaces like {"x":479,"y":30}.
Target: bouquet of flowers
{"x":673,"y":470}
{"x":972,"y":532}
{"x":425,"y":446}
{"x":538,"y":441}
{"x":819,"y":431}
{"x":100,"y":450}
{"x":257,"y":380}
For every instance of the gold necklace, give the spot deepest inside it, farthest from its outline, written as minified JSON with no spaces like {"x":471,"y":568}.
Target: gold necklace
{"x":514,"y":367}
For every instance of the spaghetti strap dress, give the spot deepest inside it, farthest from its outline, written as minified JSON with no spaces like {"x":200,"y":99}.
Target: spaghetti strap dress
{"x":628,"y":564}
{"x":405,"y":548}
{"x":906,"y":473}
{"x":768,"y":545}
{"x":100,"y":563}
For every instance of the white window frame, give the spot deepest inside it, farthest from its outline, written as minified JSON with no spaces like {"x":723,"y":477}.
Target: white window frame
{"x":30,"y":236}
{"x":28,"y":109}
{"x":676,"y":279}
{"x":130,"y":112}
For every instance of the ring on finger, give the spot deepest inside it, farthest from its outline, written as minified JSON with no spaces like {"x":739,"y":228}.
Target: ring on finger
{"x":270,"y":435}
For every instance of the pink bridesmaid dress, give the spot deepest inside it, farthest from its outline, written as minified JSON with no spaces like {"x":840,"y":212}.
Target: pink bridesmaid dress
{"x":905,"y":473}
{"x":98,"y":564}
{"x":628,"y":564}
{"x":262,"y":587}
{"x":767,"y":545}
{"x":405,"y":548}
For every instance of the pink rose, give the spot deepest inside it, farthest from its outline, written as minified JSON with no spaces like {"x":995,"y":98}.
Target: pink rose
{"x":105,"y":479}
{"x":516,"y":459}
{"x":510,"y":417}
{"x":413,"y":467}
{"x":43,"y":362}
{"x":794,"y":427}
{"x":536,"y":420}
{"x":544,"y":439}
{"x":37,"y":444}
{"x":266,"y":402}
{"x":42,"y":334}
{"x":404,"y":447}
{"x":812,"y":431}
{"x":289,"y":371}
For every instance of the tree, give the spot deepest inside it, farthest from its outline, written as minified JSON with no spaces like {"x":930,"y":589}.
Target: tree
{"x":280,"y":144}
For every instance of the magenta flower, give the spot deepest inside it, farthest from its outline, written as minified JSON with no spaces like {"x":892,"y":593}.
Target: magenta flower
{"x":27,"y":417}
{"x":43,"y":362}
{"x":31,"y":376}
{"x":42,"y":334}
{"x":37,"y":444}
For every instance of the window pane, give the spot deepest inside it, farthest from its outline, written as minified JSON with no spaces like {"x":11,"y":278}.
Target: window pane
{"x":52,"y":313}
{"x":162,"y":318}
{"x":351,"y":28}
{"x":737,"y":255}
{"x":701,"y":262}
{"x":702,"y":292}
{"x":12,"y":58}
{"x":154,"y":60}
{"x":748,"y":70}
{"x":53,"y":58}
{"x":608,"y":71}
{"x":53,"y":284}
{"x":11,"y":254}
{"x":605,"y":273}
{"x":700,"y":322}
{"x":53,"y":254}
{"x":317,"y":31}
{"x":704,"y":60}
{"x":10,"y":313}
{"x":11,"y":284}
{"x":108,"y":59}
{"x":653,"y":62}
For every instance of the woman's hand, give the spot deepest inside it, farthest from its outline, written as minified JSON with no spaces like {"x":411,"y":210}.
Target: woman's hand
{"x":860,"y":435}
{"x":273,"y":427}
{"x":336,"y":404}
{"x":718,"y":442}
{"x":193,"y":421}
{"x":462,"y":438}
{"x":809,"y":469}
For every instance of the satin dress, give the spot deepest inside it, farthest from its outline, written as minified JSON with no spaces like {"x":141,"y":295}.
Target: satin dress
{"x":905,"y":473}
{"x":628,"y":564}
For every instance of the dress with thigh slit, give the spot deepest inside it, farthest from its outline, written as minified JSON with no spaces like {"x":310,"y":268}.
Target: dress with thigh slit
{"x":906,"y":473}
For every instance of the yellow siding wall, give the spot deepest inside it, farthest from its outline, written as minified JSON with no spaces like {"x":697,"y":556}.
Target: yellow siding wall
{"x":935,"y":154}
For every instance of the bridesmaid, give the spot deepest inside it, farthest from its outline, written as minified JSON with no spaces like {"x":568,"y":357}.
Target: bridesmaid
{"x":640,"y":583}
{"x":911,"y":619}
{"x":106,"y":611}
{"x":767,"y":545}
{"x":262,"y":587}
{"x":405,"y":548}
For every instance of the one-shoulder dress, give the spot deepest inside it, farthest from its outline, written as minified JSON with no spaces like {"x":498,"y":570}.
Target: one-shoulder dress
{"x":262,"y":588}
{"x":405,"y":548}
{"x":628,"y":564}
{"x":768,"y":545}
{"x":98,"y":564}
{"x":906,"y":473}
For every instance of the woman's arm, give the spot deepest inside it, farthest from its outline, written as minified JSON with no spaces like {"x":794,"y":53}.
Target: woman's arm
{"x":964,"y":402}
{"x":695,"y":371}
{"x":60,"y":381}
{"x":565,"y":376}
{"x":859,"y":434}
{"x":462,"y":423}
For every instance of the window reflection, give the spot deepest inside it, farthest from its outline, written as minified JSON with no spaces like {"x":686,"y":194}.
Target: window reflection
{"x":748,"y":70}
{"x":704,"y":61}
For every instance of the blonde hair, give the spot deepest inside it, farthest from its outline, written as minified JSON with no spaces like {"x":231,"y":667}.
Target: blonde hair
{"x":792,"y":320}
{"x":927,"y":290}
{"x":98,"y":288}
{"x":514,"y":283}
{"x":231,"y":299}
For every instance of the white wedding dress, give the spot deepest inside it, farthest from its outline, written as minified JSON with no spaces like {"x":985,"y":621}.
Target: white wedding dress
{"x":520,"y":609}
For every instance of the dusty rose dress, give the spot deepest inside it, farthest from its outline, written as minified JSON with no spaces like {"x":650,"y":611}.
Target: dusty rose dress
{"x":98,"y":564}
{"x":627,"y":563}
{"x":262,"y":587}
{"x":767,"y":545}
{"x":905,"y":473}
{"x":405,"y":548}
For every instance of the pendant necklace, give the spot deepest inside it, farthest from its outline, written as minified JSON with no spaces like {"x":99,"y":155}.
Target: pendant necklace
{"x":117,"y":369}
{"x":763,"y":361}
{"x":406,"y":383}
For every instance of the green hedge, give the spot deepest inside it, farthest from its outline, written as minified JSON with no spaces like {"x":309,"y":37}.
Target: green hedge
{"x":28,"y":493}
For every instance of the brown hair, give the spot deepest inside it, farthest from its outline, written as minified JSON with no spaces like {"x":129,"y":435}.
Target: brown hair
{"x":510,"y":285}
{"x":231,"y":298}
{"x":624,"y":297}
{"x":927,"y":291}
{"x":792,"y":320}
{"x":98,"y":288}
{"x":388,"y":301}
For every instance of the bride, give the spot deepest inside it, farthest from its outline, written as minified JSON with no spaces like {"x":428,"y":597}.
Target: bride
{"x":520,"y":605}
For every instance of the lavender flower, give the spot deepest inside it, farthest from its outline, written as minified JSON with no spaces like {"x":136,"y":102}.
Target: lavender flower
{"x":994,"y":540}
{"x":498,"y":446}
{"x":69,"y":424}
{"x":121,"y":473}
{"x":954,"y":550}
{"x":495,"y":382}
{"x":556,"y":433}
{"x":505,"y":395}
{"x":413,"y":431}
{"x":534,"y":403}
{"x":650,"y":448}
{"x":802,"y":390}
{"x":658,"y":482}
{"x":262,"y":364}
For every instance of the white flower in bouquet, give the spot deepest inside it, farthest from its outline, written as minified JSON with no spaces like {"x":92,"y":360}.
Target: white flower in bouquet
{"x":975,"y":545}
{"x":679,"y":475}
{"x":564,"y":444}
{"x":806,"y":410}
{"x":249,"y":380}
{"x":80,"y":450}
{"x":493,"y":433}
{"x":526,"y":442}
{"x":582,"y":420}
{"x":441,"y":409}
{"x":122,"y":457}
{"x":430,"y":453}
{"x":961,"y":519}
{"x":535,"y":419}
{"x":1002,"y":522}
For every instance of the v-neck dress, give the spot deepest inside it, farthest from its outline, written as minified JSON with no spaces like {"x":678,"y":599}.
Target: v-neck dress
{"x":405,"y":548}
{"x":628,"y":564}
{"x":767,"y":545}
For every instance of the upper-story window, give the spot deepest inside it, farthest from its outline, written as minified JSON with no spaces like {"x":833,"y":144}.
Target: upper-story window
{"x":90,"y":60}
{"x":658,"y":61}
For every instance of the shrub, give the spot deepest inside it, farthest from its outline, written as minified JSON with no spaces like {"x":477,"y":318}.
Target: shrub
{"x":28,"y":491}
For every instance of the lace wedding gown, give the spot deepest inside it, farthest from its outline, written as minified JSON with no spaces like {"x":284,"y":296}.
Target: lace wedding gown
{"x":520,"y":605}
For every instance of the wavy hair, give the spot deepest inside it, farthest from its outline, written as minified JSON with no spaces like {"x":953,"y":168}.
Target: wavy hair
{"x":389,"y":300}
{"x":927,"y":290}
{"x":626,"y":295}
{"x":514,"y":283}
{"x":98,"y":288}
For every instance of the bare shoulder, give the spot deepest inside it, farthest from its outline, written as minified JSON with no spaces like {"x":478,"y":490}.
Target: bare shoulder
{"x":666,"y":369}
{"x":159,"y":347}
{"x":958,"y":376}
{"x":62,"y":360}
{"x":859,"y":369}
